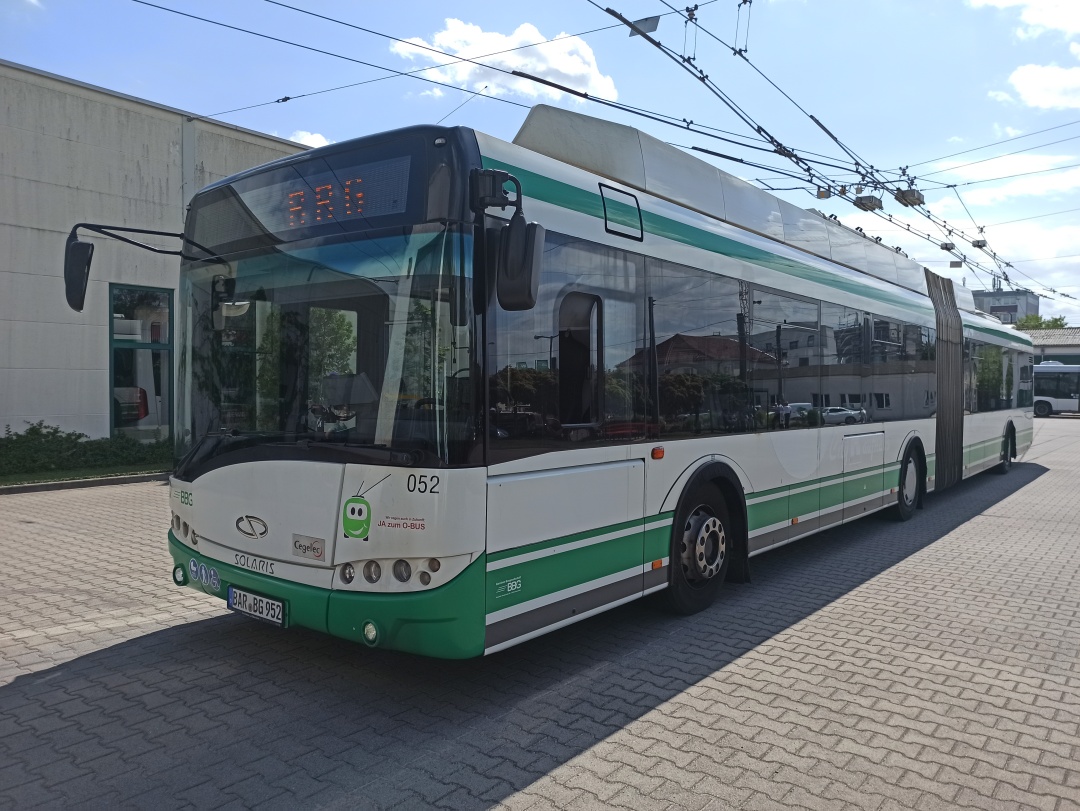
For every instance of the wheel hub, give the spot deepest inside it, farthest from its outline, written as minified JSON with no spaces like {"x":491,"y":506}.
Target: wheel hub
{"x":704,"y":546}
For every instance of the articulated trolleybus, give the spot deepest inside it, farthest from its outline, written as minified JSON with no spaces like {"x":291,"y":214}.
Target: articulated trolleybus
{"x":440,"y":393}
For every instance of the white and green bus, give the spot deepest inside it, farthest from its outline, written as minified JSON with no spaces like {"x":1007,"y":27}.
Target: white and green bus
{"x":1057,"y":388}
{"x":410,"y":419}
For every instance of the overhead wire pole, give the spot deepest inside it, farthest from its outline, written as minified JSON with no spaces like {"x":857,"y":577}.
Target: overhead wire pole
{"x":870,"y":175}
{"x":882,"y":183}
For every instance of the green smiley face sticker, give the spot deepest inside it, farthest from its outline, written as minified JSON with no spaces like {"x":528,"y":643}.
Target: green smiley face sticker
{"x":356,"y":517}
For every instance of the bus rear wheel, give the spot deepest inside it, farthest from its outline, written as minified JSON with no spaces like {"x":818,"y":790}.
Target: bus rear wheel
{"x":701,"y":550}
{"x":1042,"y":409}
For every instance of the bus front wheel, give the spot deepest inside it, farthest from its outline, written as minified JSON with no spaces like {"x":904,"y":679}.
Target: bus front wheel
{"x":1042,"y":409}
{"x":701,"y":548}
{"x":907,"y":495}
{"x":1008,"y":451}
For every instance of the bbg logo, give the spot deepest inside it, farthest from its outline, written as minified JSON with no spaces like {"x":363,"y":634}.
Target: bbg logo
{"x":504,"y":588}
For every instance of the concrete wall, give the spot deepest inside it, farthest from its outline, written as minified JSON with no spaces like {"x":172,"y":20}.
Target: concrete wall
{"x":69,"y":153}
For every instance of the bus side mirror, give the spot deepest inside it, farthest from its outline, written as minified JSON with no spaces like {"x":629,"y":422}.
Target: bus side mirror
{"x":77,"y":257}
{"x":521,"y":250}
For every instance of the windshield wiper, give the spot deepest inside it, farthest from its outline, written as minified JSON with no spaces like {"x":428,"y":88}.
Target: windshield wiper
{"x":377,"y":452}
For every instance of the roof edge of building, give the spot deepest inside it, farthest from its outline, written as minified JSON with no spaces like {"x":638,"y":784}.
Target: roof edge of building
{"x":136,"y":99}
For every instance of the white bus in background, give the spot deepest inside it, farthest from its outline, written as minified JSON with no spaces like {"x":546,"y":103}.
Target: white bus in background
{"x":407,"y":422}
{"x":1057,"y":388}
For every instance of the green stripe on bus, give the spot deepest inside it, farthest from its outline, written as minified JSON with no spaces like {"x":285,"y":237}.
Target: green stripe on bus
{"x":571,"y":197}
{"x":625,"y":526}
{"x":520,"y":582}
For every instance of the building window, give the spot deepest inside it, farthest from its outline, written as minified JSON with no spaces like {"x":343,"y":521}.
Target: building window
{"x":141,"y":362}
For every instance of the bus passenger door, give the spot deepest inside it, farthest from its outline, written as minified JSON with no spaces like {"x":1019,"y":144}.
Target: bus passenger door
{"x":863,"y":473}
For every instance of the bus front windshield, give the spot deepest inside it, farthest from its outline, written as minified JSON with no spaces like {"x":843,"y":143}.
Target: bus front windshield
{"x":356,"y":347}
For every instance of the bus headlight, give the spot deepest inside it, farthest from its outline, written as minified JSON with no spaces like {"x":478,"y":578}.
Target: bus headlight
{"x":347,"y":573}
{"x":402,"y":570}
{"x":372,"y":571}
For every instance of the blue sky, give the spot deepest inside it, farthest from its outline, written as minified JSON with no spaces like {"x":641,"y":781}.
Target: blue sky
{"x":899,"y":82}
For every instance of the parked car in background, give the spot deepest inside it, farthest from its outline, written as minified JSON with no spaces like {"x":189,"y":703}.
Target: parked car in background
{"x":837,"y":415}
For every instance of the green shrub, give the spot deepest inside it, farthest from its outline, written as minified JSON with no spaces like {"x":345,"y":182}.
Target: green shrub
{"x":43,"y":448}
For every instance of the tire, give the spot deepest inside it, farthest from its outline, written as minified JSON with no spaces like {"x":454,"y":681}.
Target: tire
{"x":701,"y":548}
{"x":849,"y":420}
{"x":1042,"y":409}
{"x":911,"y":485}
{"x":1008,"y":448}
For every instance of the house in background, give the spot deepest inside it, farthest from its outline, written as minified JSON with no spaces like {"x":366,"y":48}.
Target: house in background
{"x":70,"y":153}
{"x":1062,"y":345}
{"x":1008,"y":306}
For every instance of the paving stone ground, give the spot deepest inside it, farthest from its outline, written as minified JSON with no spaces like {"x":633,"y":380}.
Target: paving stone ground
{"x":932,"y":664}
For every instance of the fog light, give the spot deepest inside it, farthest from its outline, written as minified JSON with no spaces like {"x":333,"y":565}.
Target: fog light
{"x":434,"y":564}
{"x":371,"y":633}
{"x":347,"y":573}
{"x":179,"y":576}
{"x":402,"y":570}
{"x":425,"y":578}
{"x":372,"y":571}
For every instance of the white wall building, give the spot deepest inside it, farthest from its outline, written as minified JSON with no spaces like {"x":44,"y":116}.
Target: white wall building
{"x":69,"y":153}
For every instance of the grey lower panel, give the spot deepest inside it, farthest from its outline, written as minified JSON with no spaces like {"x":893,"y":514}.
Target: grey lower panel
{"x":859,"y":510}
{"x":513,"y":627}
{"x":655,"y":577}
{"x":804,"y":527}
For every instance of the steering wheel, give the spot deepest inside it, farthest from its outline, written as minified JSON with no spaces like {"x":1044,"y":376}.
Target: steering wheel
{"x":424,"y":401}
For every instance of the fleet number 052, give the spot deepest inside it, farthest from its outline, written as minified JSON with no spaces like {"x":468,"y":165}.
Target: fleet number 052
{"x":422,"y":483}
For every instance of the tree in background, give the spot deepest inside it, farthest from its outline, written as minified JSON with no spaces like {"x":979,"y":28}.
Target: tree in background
{"x":1033,"y":321}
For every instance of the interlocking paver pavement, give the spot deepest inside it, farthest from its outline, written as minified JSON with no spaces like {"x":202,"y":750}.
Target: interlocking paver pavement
{"x":932,"y":664}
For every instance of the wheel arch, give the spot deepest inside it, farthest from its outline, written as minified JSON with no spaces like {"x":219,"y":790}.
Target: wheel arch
{"x":725,"y":476}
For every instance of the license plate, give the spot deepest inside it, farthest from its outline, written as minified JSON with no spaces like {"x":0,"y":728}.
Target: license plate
{"x":255,"y":605}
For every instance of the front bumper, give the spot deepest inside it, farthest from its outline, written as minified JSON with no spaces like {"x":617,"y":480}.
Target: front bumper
{"x":447,"y":622}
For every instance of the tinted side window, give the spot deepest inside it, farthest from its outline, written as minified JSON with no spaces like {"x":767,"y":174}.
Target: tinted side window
{"x":564,"y":373}
{"x":703,"y":363}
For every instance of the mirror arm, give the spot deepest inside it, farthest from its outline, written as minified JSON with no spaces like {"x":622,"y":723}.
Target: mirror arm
{"x":108,"y":231}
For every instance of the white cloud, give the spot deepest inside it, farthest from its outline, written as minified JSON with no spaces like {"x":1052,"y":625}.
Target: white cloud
{"x":309,"y":138}
{"x":1048,"y":87}
{"x":1046,"y":184}
{"x":434,"y":92}
{"x":1003,"y":97}
{"x":1040,"y":16}
{"x":568,"y":62}
{"x":1006,"y":132}
{"x":956,"y":139}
